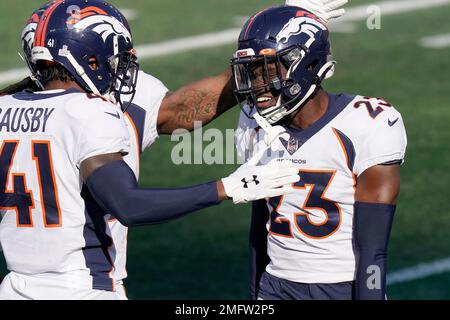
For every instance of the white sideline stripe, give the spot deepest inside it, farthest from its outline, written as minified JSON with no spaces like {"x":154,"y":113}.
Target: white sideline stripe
{"x":208,"y":40}
{"x":389,"y":8}
{"x":13,"y":75}
{"x":229,"y":36}
{"x":420,"y":271}
{"x":436,"y":42}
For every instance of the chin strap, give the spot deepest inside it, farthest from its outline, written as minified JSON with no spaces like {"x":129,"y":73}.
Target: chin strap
{"x":272,"y":132}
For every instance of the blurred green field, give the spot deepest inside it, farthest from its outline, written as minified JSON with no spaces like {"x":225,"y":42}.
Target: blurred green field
{"x":204,"y":256}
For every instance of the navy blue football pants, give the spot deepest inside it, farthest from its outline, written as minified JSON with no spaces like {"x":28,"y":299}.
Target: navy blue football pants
{"x":273,"y":288}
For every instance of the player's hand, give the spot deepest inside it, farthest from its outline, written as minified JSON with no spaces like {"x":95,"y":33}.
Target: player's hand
{"x":324,"y":9}
{"x":250,"y":182}
{"x":275,"y":133}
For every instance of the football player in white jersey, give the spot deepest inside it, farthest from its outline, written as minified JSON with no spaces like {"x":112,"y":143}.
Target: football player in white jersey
{"x":62,"y":171}
{"x":155,"y":111}
{"x":329,"y":239}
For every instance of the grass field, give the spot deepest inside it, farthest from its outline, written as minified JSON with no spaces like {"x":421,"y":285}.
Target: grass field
{"x":204,"y":256}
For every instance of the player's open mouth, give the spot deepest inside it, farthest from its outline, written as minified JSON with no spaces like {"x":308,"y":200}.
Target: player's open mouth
{"x":264,"y":101}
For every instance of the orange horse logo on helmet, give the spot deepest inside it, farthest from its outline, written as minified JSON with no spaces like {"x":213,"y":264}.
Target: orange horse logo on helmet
{"x":98,"y":20}
{"x":76,"y":14}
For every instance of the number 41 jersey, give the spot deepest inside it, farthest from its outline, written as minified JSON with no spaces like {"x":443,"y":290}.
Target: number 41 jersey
{"x":51,"y":227}
{"x":310,"y":230}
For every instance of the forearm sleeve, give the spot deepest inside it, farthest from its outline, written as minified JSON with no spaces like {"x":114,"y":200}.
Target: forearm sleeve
{"x":115,"y":188}
{"x":258,"y":246}
{"x":372,"y":228}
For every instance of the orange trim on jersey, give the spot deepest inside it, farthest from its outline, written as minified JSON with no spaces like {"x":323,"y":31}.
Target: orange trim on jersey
{"x":368,"y":106}
{"x":322,"y":197}
{"x":280,"y":220}
{"x":30,"y":209}
{"x":348,"y":161}
{"x":136,"y":135}
{"x":384,"y":102}
{"x":55,"y":187}
{"x":342,"y":147}
{"x":42,"y":26}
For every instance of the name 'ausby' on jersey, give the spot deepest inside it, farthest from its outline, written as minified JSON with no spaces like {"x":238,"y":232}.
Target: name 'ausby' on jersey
{"x":24,"y":119}
{"x":47,"y":227}
{"x":82,"y":262}
{"x":310,"y":230}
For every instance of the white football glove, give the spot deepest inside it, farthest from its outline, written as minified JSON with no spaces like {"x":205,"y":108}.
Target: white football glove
{"x":250,"y":183}
{"x":324,"y":9}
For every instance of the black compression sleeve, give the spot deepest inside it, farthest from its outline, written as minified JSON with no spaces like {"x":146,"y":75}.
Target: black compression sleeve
{"x":372,"y":228}
{"x":115,"y":188}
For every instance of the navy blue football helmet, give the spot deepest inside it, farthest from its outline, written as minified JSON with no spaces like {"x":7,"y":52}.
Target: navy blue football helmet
{"x":76,"y":33}
{"x":284,"y":51}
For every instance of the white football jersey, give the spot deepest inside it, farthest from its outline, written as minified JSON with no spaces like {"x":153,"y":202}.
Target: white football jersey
{"x":310,"y":230}
{"x":141,"y":119}
{"x":51,"y":227}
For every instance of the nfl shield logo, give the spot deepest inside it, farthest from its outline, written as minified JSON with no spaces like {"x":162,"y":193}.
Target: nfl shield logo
{"x":292,"y":145}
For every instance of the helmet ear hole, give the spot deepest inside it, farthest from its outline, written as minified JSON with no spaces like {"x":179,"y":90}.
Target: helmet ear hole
{"x":93,"y":63}
{"x":312,"y":65}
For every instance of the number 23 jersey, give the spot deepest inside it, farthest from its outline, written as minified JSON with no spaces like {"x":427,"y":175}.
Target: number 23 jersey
{"x":310,"y":230}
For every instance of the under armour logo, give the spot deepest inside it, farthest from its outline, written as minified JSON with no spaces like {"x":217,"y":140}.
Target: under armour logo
{"x":250,"y":181}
